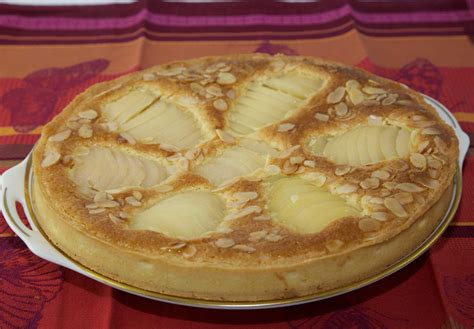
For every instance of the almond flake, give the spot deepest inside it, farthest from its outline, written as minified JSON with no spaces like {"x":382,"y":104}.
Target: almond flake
{"x":189,"y":251}
{"x":149,"y":76}
{"x":434,"y":163}
{"x":74,"y":125}
{"x":441,"y":145}
{"x":262,"y":218}
{"x":424,"y":124}
{"x":381,"y":174}
{"x":244,"y":212}
{"x":96,"y":211}
{"x":380,"y":216}
{"x":257,"y":235}
{"x":89,"y":114}
{"x":423,"y":146}
{"x":174,"y":246}
{"x":172,"y":71}
{"x":334,"y":245}
{"x":85,"y":131}
{"x":317,"y":178}
{"x":403,"y":197}
{"x":224,"y":136}
{"x":225,"y":78}
{"x":309,"y":163}
{"x":129,"y":138}
{"x":284,"y":127}
{"x":288,"y":168}
{"x":351,"y":84}
{"x":346,"y":188}
{"x":107,"y":204}
{"x":92,"y":206}
{"x":369,"y":224}
{"x":214,"y":90}
{"x":132,"y":201}
{"x":321,"y":117}
{"x":341,"y":109}
{"x":399,"y":165}
{"x":389,"y":100}
{"x":272,"y":169}
{"x":418,"y":160}
{"x":428,"y":182}
{"x":273,"y":237}
{"x":61,"y":136}
{"x":373,"y":90}
{"x":114,"y":218}
{"x":230,"y":94}
{"x":336,"y":95}
{"x":409,"y":187}
{"x":245,"y":196}
{"x":50,"y":158}
{"x":355,"y":96}
{"x":286,"y":153}
{"x":224,"y":243}
{"x":374,"y":120}
{"x":395,"y":207}
{"x":137,"y":195}
{"x":220,"y":104}
{"x":430,"y":131}
{"x":370,"y":183}
{"x":243,"y":247}
{"x":123,"y":214}
{"x":296,"y":160}
{"x":342,"y":170}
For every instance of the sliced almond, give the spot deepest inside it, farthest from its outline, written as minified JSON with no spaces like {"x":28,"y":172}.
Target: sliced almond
{"x":428,"y":182}
{"x":309,"y":163}
{"x":96,"y":211}
{"x":262,"y":218}
{"x":273,"y":237}
{"x":317,"y":179}
{"x":399,"y":165}
{"x":372,"y":90}
{"x":168,"y":148}
{"x":244,"y":212}
{"x":334,"y":245}
{"x":214,"y":90}
{"x":189,"y":251}
{"x":149,"y":76}
{"x":341,"y":109}
{"x":85,"y":131}
{"x":369,"y":224}
{"x":374,"y":120}
{"x":342,"y":170}
{"x":225,"y":136}
{"x":289,"y":168}
{"x":132,"y":201}
{"x":380,"y":216}
{"x":434,"y":173}
{"x":243,"y":247}
{"x":220,"y":104}
{"x":137,"y":195}
{"x":336,"y":95}
{"x":50,"y":158}
{"x":89,"y":114}
{"x":418,"y":160}
{"x":356,"y":96}
{"x":381,"y":174}
{"x":351,"y":84}
{"x":370,"y":183}
{"x":346,"y":188}
{"x":395,"y":207}
{"x":115,"y":219}
{"x":404,"y":197}
{"x":422,"y":146}
{"x":286,"y":153}
{"x":424,"y":124}
{"x":430,"y":131}
{"x":296,"y":160}
{"x":61,"y":136}
{"x":225,"y":78}
{"x":434,"y":163}
{"x":172,"y":71}
{"x":284,"y":127}
{"x":321,"y":117}
{"x":224,"y":243}
{"x":441,"y":145}
{"x":409,"y":187}
{"x":245,"y":196}
{"x":257,"y":235}
{"x":272,"y":169}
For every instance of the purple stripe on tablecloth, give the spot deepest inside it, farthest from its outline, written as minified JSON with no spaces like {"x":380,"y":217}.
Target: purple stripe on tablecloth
{"x":14,"y":151}
{"x":459,"y":232}
{"x":68,"y":23}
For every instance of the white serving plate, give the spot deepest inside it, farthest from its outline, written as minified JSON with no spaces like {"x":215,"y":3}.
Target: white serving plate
{"x":14,"y":187}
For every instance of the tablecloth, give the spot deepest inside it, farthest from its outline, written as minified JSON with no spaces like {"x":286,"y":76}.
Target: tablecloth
{"x":49,"y":54}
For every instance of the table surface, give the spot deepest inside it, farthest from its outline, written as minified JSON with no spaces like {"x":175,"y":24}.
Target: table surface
{"x":50,"y":54}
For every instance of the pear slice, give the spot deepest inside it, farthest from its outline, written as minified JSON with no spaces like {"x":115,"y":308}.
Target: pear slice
{"x":373,"y":139}
{"x":304,"y":207}
{"x":352,"y":147}
{"x":106,"y":169}
{"x":362,"y":142}
{"x":128,"y":105}
{"x":387,"y":142}
{"x":186,"y":215}
{"x":403,"y":143}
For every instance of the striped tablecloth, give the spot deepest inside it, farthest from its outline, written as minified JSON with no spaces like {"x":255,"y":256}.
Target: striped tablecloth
{"x":50,"y":54}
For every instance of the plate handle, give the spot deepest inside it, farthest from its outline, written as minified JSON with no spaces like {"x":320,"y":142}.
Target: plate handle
{"x":12,"y":190}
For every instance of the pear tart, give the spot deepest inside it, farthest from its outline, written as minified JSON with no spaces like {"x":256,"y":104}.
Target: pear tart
{"x":243,"y":178}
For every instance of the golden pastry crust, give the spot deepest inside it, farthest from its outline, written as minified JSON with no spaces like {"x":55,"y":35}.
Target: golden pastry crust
{"x":316,"y":106}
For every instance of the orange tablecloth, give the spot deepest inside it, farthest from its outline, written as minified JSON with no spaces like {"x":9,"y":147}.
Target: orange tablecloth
{"x":50,"y":54}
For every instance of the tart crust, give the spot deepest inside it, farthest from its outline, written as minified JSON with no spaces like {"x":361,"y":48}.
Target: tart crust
{"x":374,"y":204}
